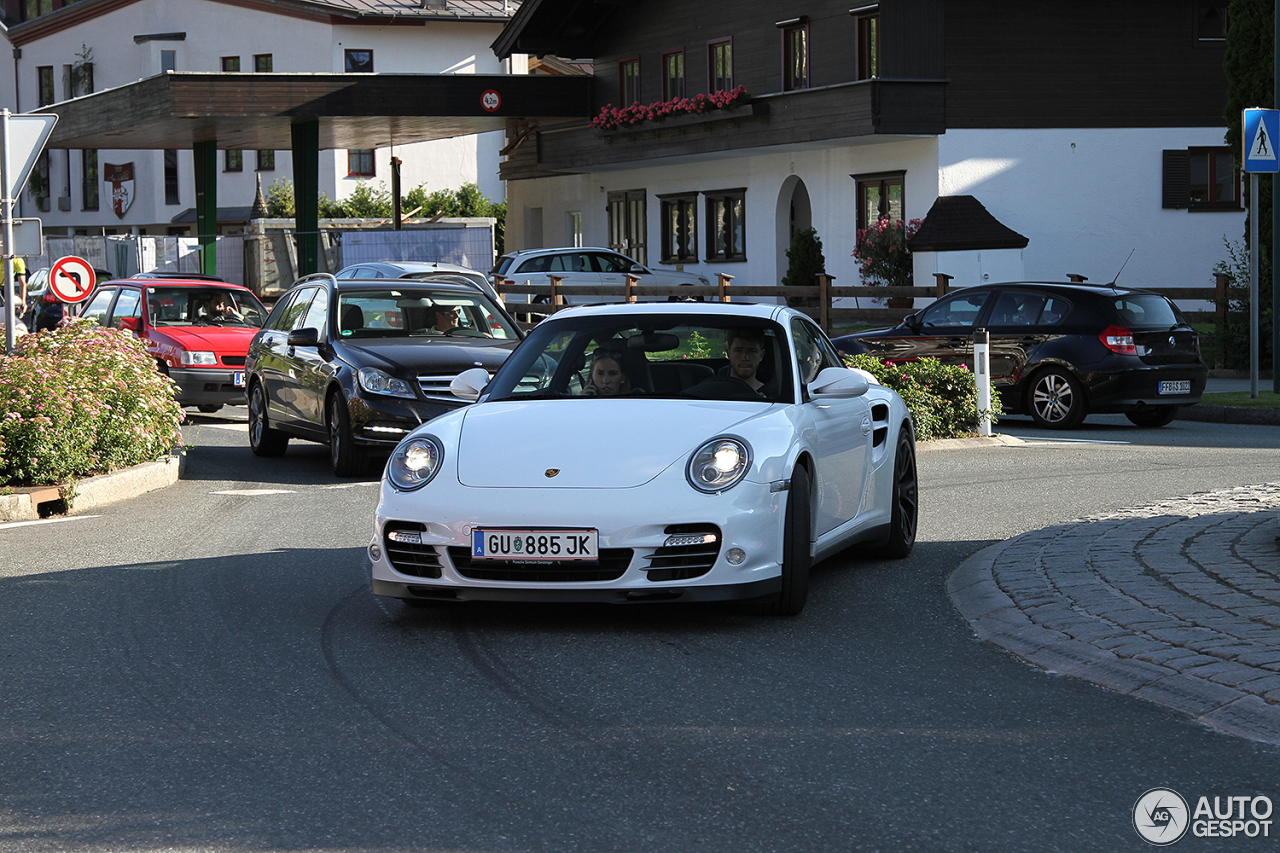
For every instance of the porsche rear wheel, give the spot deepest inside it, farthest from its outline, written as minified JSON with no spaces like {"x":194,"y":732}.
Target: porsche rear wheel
{"x":797,"y":555}
{"x":263,"y":440}
{"x":906,"y":500}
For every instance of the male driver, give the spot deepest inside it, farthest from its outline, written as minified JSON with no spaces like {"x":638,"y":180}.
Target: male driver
{"x":446,"y":319}
{"x":745,"y":350}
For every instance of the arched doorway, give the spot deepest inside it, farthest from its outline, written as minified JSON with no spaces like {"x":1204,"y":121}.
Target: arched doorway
{"x":794,"y":211}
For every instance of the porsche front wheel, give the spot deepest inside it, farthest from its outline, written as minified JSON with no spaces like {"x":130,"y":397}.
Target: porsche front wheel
{"x":797,"y":544}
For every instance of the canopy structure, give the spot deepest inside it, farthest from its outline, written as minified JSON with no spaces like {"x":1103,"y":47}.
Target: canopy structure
{"x":304,"y":113}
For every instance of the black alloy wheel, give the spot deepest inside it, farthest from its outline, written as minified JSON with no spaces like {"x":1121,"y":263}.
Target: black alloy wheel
{"x":1153,"y":416}
{"x":263,"y":440}
{"x":905,"y":517}
{"x":797,"y":547}
{"x":348,"y":460}
{"x":1056,"y":400}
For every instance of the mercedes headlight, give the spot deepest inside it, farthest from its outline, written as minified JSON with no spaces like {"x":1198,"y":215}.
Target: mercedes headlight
{"x":414,"y":463}
{"x":380,"y":382}
{"x":719,"y":464}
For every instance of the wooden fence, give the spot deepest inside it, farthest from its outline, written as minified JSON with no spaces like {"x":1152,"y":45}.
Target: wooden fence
{"x":818,"y":299}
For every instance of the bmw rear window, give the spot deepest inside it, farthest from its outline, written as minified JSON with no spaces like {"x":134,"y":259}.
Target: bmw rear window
{"x":1147,"y":309}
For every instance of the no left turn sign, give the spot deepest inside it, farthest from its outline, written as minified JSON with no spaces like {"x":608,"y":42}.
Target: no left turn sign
{"x":71,"y":279}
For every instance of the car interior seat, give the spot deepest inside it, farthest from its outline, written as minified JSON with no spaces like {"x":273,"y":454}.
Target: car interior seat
{"x":352,"y":319}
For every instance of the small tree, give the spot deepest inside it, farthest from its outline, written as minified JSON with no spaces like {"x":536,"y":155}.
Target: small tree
{"x":804,"y":258}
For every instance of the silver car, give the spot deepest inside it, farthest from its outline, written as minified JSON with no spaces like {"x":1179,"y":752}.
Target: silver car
{"x":585,"y":265}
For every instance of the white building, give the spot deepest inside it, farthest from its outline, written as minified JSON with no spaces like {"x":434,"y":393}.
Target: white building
{"x":94,"y":45}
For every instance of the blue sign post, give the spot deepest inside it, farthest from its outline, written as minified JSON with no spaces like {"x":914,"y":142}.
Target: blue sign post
{"x":1261,"y":134}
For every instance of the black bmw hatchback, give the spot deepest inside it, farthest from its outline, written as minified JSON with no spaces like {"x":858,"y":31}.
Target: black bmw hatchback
{"x":1060,"y":352}
{"x":357,"y":364}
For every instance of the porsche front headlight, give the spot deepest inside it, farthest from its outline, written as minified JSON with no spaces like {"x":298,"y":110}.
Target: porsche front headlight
{"x":380,"y":382}
{"x":414,"y":463}
{"x":719,"y":464}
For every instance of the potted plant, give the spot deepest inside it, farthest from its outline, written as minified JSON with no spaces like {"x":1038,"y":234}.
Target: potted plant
{"x":883,"y":256}
{"x":804,"y":262}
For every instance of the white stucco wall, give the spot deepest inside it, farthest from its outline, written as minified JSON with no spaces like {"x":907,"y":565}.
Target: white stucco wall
{"x":214,"y":30}
{"x":1084,"y":198}
{"x":1087,"y":198}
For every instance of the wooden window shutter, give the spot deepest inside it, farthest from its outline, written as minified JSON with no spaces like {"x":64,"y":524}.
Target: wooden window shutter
{"x":1177,"y":173}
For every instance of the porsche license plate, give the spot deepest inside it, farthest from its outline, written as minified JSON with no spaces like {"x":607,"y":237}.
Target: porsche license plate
{"x":1175,"y":386}
{"x":523,"y":545}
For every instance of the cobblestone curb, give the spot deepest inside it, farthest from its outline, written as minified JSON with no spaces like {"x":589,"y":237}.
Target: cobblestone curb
{"x":1177,"y":603}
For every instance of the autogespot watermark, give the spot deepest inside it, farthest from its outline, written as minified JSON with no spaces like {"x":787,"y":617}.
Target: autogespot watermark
{"x":1161,"y":816}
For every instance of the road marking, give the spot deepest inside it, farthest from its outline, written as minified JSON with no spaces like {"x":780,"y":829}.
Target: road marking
{"x":353,"y":485}
{"x":233,"y":427}
{"x":253,"y":493}
{"x":45,"y":521}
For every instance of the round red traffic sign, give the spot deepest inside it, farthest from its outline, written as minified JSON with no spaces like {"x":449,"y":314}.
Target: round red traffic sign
{"x":71,"y":279}
{"x":490,"y":100}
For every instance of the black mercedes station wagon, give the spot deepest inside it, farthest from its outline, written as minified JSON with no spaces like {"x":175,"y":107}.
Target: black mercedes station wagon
{"x":1060,"y":352}
{"x":357,"y":364}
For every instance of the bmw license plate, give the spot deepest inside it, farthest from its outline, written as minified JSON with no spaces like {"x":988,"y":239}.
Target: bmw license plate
{"x":1175,"y":386}
{"x":237,"y":379}
{"x":527,"y":545}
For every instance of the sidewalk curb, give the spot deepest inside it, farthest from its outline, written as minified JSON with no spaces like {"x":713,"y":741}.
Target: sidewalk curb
{"x":1229,"y":415}
{"x":970,"y":442}
{"x":25,"y":504}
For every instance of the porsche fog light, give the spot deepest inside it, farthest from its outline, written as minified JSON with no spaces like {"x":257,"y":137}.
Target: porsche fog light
{"x":375,"y":553}
{"x":414,"y":463}
{"x":735,"y":556}
{"x":719,"y":464}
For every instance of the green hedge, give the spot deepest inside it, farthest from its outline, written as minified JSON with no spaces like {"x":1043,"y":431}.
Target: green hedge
{"x":82,"y":400}
{"x":943,"y":399}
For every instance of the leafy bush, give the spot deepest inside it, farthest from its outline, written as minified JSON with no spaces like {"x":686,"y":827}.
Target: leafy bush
{"x":82,"y":400}
{"x":943,"y":399}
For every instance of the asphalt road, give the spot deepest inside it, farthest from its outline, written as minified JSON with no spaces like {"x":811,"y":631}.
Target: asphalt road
{"x":205,"y":669}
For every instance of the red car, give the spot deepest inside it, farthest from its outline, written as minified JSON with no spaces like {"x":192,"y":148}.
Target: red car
{"x":198,"y":329}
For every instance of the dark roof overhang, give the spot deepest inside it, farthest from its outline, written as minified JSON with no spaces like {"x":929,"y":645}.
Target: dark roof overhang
{"x":258,"y":111}
{"x":565,"y":28}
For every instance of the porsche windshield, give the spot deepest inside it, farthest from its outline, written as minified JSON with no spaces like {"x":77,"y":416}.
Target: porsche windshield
{"x":691,"y":356}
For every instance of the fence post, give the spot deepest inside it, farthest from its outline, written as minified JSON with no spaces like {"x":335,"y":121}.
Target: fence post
{"x":1220,"y":304}
{"x":941,"y":278}
{"x":723,"y":280}
{"x":557,"y":301}
{"x":629,"y":294}
{"x":824,"y":301}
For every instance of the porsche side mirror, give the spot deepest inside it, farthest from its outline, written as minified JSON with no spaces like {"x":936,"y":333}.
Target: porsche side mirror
{"x":468,"y":384}
{"x":839,"y":382}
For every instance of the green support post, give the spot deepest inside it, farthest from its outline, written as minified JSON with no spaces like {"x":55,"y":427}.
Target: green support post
{"x":206,"y":163}
{"x":306,"y":194}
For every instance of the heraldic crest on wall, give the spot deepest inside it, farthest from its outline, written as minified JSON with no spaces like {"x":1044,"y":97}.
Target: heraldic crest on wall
{"x":120,"y":177}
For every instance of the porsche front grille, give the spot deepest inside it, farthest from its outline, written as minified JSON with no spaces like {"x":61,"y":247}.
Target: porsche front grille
{"x":613,"y":563}
{"x":405,"y":551}
{"x":681,"y":562}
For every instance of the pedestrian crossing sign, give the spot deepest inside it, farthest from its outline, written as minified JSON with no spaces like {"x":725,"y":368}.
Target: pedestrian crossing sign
{"x":1261,"y":135}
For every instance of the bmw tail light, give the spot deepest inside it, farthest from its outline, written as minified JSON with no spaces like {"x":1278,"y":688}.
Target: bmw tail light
{"x":1118,"y":339}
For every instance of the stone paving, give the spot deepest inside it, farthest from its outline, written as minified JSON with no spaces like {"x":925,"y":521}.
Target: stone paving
{"x":1177,"y":603}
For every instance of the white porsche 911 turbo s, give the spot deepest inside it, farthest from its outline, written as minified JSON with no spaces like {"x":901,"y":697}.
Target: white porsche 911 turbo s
{"x":649,"y":452}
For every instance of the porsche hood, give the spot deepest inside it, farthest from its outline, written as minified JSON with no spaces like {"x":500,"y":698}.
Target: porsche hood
{"x":587,"y":444}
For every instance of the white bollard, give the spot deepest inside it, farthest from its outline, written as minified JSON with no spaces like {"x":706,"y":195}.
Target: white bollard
{"x":982,"y":376}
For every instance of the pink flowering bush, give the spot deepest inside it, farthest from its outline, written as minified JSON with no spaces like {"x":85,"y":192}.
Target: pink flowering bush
{"x":882,"y":253}
{"x":943,"y":398}
{"x":612,"y":117}
{"x":82,"y":400}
